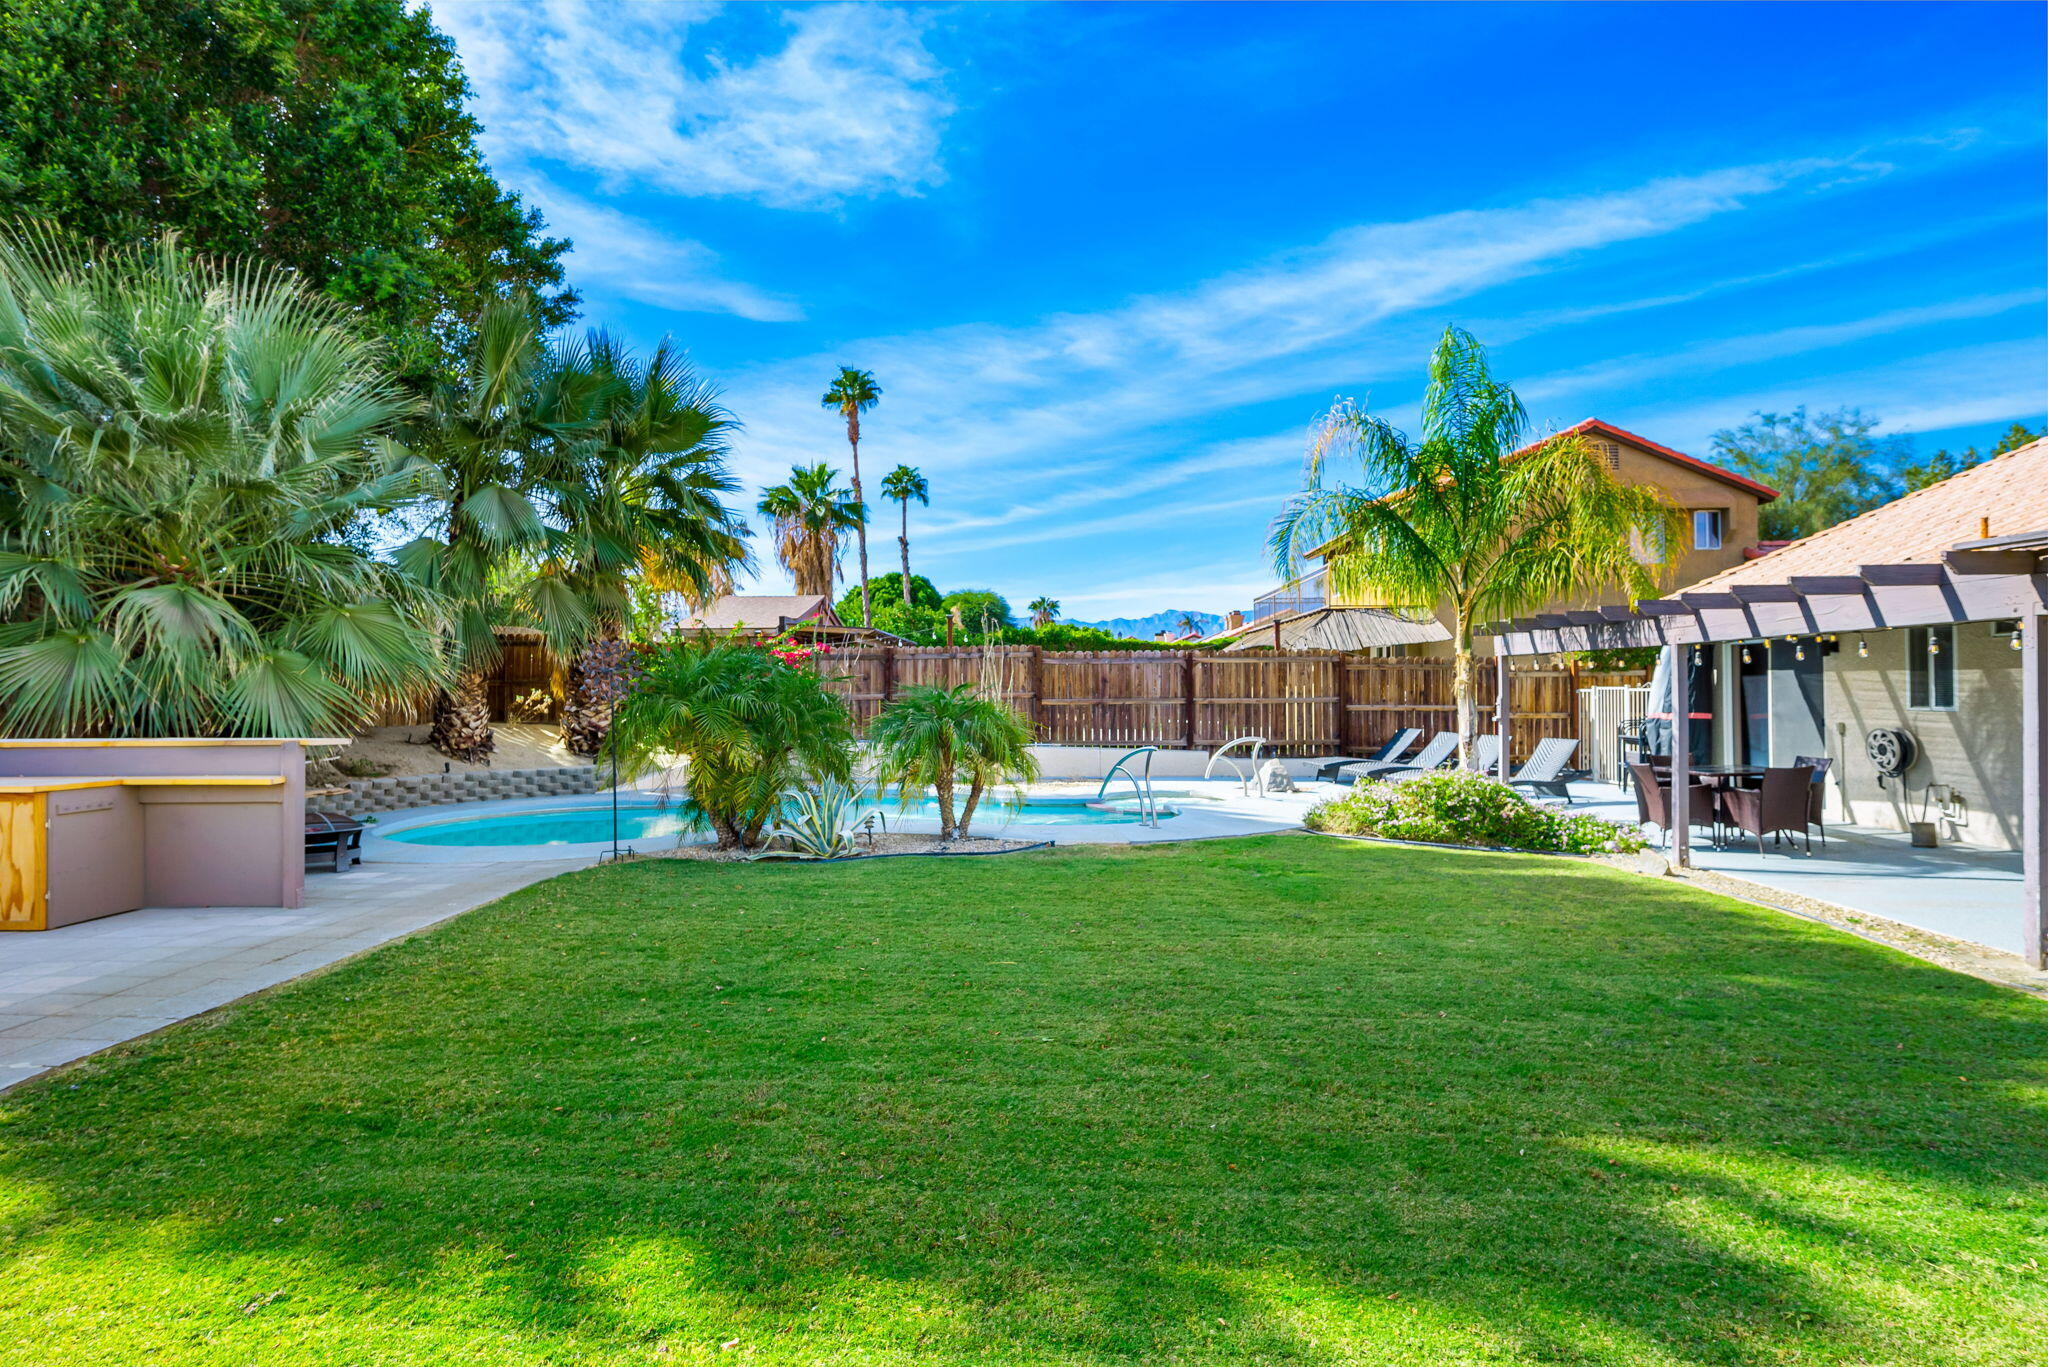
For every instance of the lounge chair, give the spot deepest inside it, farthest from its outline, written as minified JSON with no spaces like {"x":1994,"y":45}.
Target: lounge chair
{"x":1441,"y":747}
{"x":1545,"y":770}
{"x":1486,"y":752}
{"x":1326,"y":769}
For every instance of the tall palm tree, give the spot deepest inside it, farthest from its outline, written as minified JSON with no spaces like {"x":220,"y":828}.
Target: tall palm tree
{"x":1044,"y":611}
{"x":903,"y":484}
{"x":183,"y":448}
{"x":811,"y":519}
{"x":1468,"y":520}
{"x":642,"y":501}
{"x":484,"y":447}
{"x":1188,"y":627}
{"x":853,"y":393}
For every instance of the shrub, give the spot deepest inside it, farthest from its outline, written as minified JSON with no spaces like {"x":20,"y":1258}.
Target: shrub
{"x":1460,"y":808}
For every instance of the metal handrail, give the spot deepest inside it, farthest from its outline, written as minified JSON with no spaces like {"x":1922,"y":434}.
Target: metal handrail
{"x":1148,"y":805}
{"x":1222,"y":752}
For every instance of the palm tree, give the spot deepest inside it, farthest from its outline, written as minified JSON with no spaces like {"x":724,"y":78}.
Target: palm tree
{"x":933,"y":737}
{"x":484,"y":447}
{"x":853,"y":393}
{"x":642,"y":502}
{"x":1044,"y":611}
{"x":184,"y":449}
{"x":1188,"y":627}
{"x":1469,"y":520}
{"x":746,"y":727}
{"x":811,"y":517}
{"x":903,"y":484}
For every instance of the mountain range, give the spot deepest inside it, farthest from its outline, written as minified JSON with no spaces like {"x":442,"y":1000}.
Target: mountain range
{"x":1145,"y":628}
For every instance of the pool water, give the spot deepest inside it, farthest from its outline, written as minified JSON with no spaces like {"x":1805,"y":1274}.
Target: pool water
{"x":643,"y":821}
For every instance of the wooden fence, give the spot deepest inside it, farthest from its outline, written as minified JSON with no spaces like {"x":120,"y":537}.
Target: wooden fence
{"x":1302,"y":703}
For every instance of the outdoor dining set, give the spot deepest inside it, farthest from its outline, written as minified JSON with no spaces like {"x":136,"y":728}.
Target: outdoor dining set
{"x":1734,"y":800}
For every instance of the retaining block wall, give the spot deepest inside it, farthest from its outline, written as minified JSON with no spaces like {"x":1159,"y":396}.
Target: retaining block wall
{"x":479,"y":785}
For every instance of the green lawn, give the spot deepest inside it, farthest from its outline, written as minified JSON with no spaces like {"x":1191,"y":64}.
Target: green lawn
{"x":1282,"y":1100}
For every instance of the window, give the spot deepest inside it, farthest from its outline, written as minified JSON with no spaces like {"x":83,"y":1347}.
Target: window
{"x":1706,"y":529}
{"x":1931,"y":668}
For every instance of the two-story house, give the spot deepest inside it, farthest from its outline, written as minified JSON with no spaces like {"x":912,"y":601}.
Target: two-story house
{"x":1723,"y":531}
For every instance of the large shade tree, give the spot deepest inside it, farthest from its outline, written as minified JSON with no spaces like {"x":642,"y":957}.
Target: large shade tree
{"x":638,"y":499}
{"x":329,"y":136}
{"x":811,"y":516}
{"x":903,"y":484}
{"x":1469,"y":519}
{"x":184,"y":449}
{"x":853,"y":393}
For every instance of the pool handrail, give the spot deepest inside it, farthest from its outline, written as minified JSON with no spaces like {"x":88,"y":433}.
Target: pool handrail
{"x":1222,"y":752}
{"x":1148,"y":806}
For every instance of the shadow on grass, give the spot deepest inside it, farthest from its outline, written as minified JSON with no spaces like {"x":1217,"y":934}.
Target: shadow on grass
{"x":1279,"y":1100}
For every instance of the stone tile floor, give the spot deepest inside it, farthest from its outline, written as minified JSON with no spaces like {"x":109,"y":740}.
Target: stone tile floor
{"x":73,"y":991}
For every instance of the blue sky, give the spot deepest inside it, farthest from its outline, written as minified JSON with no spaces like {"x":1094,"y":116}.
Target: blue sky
{"x":1108,"y":262}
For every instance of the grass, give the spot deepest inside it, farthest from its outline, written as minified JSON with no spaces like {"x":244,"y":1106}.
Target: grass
{"x":1281,"y":1100}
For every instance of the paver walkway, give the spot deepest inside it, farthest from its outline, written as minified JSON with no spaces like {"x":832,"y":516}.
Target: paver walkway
{"x":73,"y":991}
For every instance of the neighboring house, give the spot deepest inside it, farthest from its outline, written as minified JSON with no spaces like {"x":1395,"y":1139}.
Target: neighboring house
{"x":1914,"y":630}
{"x":806,"y":617}
{"x":1722,"y":527}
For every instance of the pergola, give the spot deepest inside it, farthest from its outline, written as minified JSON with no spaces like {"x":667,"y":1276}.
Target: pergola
{"x":1988,"y":579}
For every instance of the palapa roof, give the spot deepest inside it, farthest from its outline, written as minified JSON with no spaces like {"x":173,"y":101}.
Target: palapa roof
{"x":1341,"y":629}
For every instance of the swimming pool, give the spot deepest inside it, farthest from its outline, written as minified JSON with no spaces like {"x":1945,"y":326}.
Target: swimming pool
{"x":640,"y":820}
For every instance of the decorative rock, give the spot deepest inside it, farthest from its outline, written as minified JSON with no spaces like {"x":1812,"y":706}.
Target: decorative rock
{"x":1274,"y":778}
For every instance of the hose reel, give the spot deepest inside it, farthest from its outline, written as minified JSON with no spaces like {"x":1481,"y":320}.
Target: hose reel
{"x":1891,"y":752}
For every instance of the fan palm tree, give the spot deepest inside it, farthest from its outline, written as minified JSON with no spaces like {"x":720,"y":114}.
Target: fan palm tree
{"x":936,"y":737}
{"x":1044,"y":611}
{"x":903,"y":484}
{"x":853,"y":393}
{"x":183,"y":449}
{"x":641,"y":502}
{"x":484,"y":448}
{"x":1468,"y":520}
{"x":1188,"y":627}
{"x":811,"y":519}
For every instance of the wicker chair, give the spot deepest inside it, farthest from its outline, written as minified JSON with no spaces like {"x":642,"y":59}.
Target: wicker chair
{"x":1783,"y":802}
{"x":1653,"y":801}
{"x":1817,"y":808}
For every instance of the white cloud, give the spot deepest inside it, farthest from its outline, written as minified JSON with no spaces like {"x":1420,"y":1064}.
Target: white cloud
{"x":629,"y":258}
{"x":851,"y":105}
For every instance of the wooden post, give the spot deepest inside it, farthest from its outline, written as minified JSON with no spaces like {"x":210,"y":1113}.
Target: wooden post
{"x":1681,"y":752}
{"x":1503,"y":712}
{"x":888,"y":675}
{"x":1187,"y":665}
{"x":2034,"y":788}
{"x":1035,"y":680}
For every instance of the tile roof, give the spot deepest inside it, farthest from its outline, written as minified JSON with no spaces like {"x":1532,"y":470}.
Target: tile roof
{"x":1763,"y":492}
{"x":2011,"y":491}
{"x":760,"y":610}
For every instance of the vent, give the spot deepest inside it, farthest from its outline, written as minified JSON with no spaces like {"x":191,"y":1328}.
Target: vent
{"x":1613,"y":454}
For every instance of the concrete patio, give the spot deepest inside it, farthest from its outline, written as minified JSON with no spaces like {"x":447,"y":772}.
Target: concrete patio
{"x":1965,"y":894}
{"x":75,"y":990}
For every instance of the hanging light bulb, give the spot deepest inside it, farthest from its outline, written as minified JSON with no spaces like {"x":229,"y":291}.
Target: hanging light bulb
{"x":1799,"y":651}
{"x":2017,"y":643}
{"x":1933,"y":646}
{"x":1862,"y":649}
{"x":1745,"y":654}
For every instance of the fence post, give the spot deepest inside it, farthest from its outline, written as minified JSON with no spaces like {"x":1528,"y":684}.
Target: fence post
{"x":1187,"y":665}
{"x":888,"y":675}
{"x":1035,"y":680}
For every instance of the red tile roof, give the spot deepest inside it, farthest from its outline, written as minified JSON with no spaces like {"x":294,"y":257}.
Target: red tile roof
{"x":1763,"y":492}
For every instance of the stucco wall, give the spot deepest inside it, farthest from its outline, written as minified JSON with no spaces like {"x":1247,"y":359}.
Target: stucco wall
{"x":1975,"y":748}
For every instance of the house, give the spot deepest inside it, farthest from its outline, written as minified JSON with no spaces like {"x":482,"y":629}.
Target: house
{"x":806,"y":617}
{"x":1723,"y":508}
{"x":1906,"y":645}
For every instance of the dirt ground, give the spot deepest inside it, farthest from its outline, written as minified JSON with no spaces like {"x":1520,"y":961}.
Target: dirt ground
{"x":402,"y":750}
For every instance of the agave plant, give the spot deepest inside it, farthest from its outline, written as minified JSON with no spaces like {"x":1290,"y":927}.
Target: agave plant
{"x":184,"y":447}
{"x":818,"y":820}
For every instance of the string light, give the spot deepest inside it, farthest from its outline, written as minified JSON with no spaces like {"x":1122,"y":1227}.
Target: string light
{"x":1799,"y":651}
{"x":1862,"y":649}
{"x":2017,"y":644}
{"x":1745,"y":654}
{"x":1933,"y":646}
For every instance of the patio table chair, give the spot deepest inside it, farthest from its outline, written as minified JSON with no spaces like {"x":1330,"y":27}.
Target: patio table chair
{"x":1326,"y":769}
{"x":1441,"y":747}
{"x":1545,"y":770}
{"x":1653,"y":801}
{"x":1816,"y":808}
{"x":1781,"y":803}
